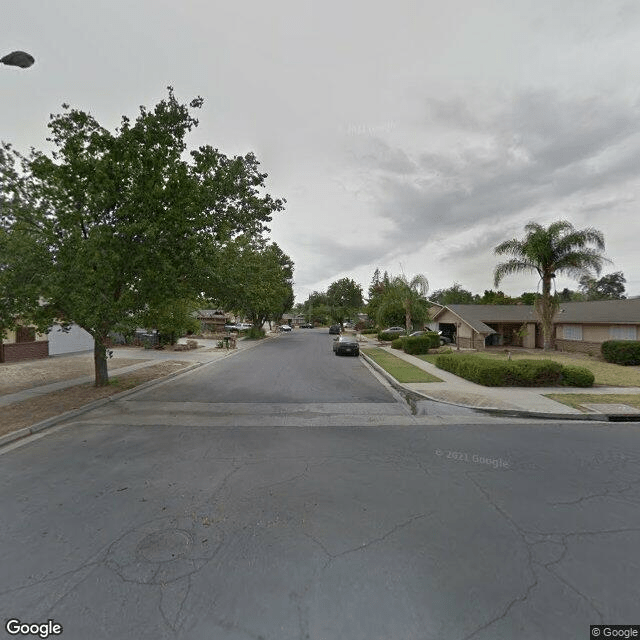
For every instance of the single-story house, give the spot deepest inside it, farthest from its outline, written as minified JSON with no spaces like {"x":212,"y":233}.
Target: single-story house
{"x":578,"y":326}
{"x":479,"y":325}
{"x":584,"y":326}
{"x":211,"y":320}
{"x":24,"y":343}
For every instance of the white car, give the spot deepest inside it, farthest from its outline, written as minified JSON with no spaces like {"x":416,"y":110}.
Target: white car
{"x":284,"y":327}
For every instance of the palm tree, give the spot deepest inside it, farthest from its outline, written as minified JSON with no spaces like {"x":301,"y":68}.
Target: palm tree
{"x":411,"y":295}
{"x":556,"y":249}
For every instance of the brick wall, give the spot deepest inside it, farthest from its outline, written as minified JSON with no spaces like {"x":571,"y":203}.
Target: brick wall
{"x":580,"y":346}
{"x":14,"y":352}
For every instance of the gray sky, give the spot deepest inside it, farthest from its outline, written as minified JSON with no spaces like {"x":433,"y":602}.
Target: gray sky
{"x":406,"y":135}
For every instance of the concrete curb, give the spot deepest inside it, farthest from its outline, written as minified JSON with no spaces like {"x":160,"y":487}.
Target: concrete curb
{"x":508,"y":413}
{"x":25,"y":432}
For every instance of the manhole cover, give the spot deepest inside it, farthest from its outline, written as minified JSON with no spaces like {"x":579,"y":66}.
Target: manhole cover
{"x":163,"y":550}
{"x":163,"y":546}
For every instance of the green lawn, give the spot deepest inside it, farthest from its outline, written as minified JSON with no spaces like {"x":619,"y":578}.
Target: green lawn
{"x":402,"y":371}
{"x":577,"y":399}
{"x":606,"y":374}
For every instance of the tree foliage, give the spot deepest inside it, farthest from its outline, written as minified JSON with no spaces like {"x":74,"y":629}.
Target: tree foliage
{"x":453,"y":295}
{"x":609,"y":287}
{"x":110,"y":224}
{"x":344,"y":299}
{"x":256,"y":280}
{"x":404,"y":301}
{"x":547,"y":251}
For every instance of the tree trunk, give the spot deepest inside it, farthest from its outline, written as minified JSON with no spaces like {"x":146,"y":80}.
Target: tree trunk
{"x":100,"y":361}
{"x":547,"y":311}
{"x":407,"y":316}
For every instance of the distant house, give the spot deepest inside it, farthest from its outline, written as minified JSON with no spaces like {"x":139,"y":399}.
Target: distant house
{"x":211,"y":320}
{"x":293,"y":320}
{"x":578,"y":326}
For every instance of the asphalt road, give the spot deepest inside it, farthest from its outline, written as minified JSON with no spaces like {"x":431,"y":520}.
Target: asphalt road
{"x":171,"y":516}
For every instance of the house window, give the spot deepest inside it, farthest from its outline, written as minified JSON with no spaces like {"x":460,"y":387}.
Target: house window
{"x":622,"y":333}
{"x":572,"y":332}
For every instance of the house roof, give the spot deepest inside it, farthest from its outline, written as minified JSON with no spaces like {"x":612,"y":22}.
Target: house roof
{"x":210,"y":313}
{"x":593,"y":312}
{"x":477,"y":315}
{"x":600,"y":311}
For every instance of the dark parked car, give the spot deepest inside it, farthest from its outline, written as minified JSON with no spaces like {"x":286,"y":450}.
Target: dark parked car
{"x":443,"y":339}
{"x":334,"y":328}
{"x":346,"y":345}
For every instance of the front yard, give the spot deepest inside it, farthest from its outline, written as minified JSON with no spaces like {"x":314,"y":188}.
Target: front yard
{"x":401,"y":370}
{"x":606,"y":374}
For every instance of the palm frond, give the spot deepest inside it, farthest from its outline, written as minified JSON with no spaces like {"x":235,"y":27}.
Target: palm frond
{"x":513,"y":266}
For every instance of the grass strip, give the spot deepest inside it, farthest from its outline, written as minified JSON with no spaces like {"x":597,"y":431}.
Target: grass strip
{"x":401,"y":370}
{"x":576,"y":400}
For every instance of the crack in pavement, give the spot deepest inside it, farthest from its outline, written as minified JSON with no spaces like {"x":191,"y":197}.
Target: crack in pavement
{"x":529,"y":539}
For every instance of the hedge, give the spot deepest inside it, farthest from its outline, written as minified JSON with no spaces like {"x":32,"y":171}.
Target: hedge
{"x":577,"y":376}
{"x":383,"y":336}
{"x":624,"y":352}
{"x":514,"y":373}
{"x":397,"y":343}
{"x":415,"y":345}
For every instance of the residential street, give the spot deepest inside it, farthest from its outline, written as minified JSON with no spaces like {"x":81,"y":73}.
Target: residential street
{"x":284,"y":493}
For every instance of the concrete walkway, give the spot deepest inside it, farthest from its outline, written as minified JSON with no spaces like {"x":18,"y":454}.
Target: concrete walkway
{"x":462,"y":392}
{"x":206,"y":353}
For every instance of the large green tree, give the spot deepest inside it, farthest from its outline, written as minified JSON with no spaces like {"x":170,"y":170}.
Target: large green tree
{"x":408,"y":295}
{"x":110,"y":224}
{"x":344,"y":299}
{"x":256,"y":280}
{"x":608,"y":287}
{"x":549,"y":251}
{"x":453,"y":295}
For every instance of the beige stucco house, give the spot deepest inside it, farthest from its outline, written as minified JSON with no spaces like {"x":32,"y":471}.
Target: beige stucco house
{"x":578,"y":326}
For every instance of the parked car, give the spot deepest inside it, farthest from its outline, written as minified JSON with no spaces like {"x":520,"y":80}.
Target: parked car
{"x":231,"y":327}
{"x":395,"y":330}
{"x":306,"y":325}
{"x":284,"y":327}
{"x":346,"y":345}
{"x":443,"y":339}
{"x":244,"y":325}
{"x":334,"y":328}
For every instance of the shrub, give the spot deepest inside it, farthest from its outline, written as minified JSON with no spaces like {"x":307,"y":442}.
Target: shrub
{"x":397,"y":343}
{"x":577,"y":376}
{"x":383,"y":336}
{"x":368,"y":331}
{"x":255,"y":333}
{"x":503,"y":373}
{"x":420,"y":344}
{"x":624,"y":352}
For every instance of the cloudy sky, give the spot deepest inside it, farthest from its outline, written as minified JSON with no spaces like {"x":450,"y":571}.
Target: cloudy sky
{"x":413,"y":136}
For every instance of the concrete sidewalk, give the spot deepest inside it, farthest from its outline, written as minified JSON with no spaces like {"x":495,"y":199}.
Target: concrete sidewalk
{"x":459,"y":391}
{"x":203,"y":355}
